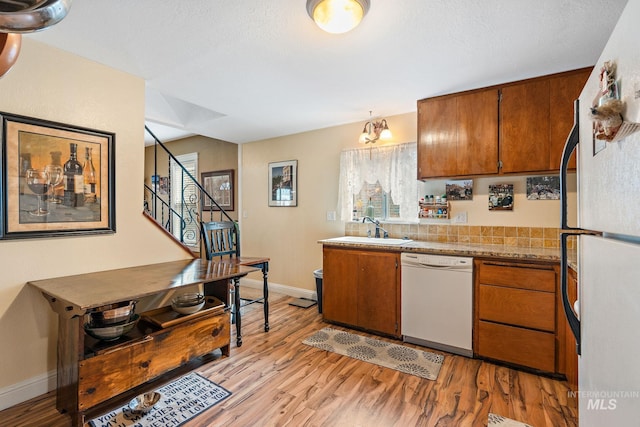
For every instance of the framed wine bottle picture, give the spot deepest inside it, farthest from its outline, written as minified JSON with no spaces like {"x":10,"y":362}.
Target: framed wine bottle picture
{"x":56,"y":180}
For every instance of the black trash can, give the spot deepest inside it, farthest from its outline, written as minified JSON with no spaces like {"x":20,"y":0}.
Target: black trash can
{"x":318,"y":275}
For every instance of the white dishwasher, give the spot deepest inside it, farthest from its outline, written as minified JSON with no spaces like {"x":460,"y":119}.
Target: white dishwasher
{"x":437,"y":302}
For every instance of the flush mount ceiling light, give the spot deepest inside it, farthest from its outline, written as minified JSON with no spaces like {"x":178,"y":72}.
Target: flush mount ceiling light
{"x":337,"y":16}
{"x":375,"y":130}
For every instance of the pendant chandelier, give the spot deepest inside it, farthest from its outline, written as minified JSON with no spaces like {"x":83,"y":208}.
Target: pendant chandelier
{"x":375,"y":130}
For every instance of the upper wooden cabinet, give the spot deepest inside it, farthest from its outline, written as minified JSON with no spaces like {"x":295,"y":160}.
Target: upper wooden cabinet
{"x":510,"y":128}
{"x":457,"y":135}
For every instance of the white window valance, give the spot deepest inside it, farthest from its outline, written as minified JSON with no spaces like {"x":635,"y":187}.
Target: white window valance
{"x":394,"y":166}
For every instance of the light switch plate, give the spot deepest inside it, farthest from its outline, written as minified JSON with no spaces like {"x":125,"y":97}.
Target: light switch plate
{"x":331,"y":215}
{"x":460,"y":218}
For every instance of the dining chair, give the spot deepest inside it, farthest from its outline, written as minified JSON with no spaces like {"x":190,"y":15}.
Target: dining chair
{"x":221,"y":241}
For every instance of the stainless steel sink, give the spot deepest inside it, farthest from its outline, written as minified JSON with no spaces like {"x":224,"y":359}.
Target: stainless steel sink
{"x":368,"y":240}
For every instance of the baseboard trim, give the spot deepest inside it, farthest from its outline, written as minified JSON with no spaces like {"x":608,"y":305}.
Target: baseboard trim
{"x":27,"y":389}
{"x":281,"y":289}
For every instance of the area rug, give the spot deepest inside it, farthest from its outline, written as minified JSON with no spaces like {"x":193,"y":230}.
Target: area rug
{"x":500,"y":421}
{"x":404,"y":359}
{"x":181,"y":400}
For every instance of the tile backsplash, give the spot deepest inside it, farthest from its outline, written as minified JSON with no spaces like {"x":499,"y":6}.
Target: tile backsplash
{"x":526,"y":237}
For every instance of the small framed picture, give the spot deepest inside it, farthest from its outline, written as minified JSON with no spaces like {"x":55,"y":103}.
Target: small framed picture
{"x":459,"y":190}
{"x":283,"y":183}
{"x":543,"y":187}
{"x":219,"y":184}
{"x":501,"y":197}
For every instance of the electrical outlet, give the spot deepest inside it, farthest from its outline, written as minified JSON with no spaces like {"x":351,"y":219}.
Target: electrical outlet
{"x":460,"y":218}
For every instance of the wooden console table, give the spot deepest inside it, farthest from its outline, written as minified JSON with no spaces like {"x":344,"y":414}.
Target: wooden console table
{"x":91,"y":372}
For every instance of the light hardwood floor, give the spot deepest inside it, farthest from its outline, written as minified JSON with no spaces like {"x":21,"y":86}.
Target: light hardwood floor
{"x":278,"y":381}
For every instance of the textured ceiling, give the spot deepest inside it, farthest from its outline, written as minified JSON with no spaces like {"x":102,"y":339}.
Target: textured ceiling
{"x":246,"y":70}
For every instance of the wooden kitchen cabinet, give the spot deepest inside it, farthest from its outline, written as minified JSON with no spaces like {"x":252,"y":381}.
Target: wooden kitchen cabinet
{"x":361,"y":288}
{"x":457,"y":135}
{"x":518,"y":127}
{"x":515,"y":313}
{"x":536,"y":117}
{"x":92,"y":374}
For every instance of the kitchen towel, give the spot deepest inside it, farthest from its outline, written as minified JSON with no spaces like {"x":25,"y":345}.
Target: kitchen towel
{"x":420,"y":363}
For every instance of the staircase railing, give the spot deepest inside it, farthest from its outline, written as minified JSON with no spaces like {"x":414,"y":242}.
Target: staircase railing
{"x":184,"y":222}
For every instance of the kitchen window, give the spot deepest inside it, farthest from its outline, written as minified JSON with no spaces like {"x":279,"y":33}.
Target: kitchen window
{"x":387,"y":175}
{"x":381,"y":202}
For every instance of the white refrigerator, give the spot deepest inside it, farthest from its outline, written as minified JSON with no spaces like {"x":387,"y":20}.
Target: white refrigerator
{"x":608,"y":318}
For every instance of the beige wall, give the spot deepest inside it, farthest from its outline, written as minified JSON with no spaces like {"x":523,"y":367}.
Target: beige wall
{"x":289,"y":235}
{"x":50,"y":84}
{"x":213,"y":155}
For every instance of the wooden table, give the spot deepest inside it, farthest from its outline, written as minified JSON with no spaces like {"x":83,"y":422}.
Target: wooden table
{"x":92,"y":374}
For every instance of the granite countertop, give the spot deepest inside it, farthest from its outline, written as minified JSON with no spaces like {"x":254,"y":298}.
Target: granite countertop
{"x":461,"y":249}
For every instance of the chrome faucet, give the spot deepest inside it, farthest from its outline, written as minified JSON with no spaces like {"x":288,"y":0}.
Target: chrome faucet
{"x":378,"y":228}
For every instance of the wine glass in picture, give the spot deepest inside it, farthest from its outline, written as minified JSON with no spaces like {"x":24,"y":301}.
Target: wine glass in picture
{"x":55,"y":178}
{"x":38,"y":181}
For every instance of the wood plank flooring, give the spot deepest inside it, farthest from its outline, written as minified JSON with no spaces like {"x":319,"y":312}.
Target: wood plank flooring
{"x":278,"y":381}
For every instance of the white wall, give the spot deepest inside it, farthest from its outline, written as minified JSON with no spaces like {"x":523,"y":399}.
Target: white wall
{"x":50,"y":84}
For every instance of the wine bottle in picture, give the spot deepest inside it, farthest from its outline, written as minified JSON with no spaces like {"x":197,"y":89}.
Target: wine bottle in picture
{"x":89,"y":174}
{"x":57,"y":191}
{"x":73,"y":179}
{"x":25,"y":165}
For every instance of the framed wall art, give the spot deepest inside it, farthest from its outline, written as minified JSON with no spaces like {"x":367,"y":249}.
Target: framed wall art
{"x":220,"y":186}
{"x":543,"y":187}
{"x":501,"y":197}
{"x":459,"y":190}
{"x":283,"y":183}
{"x":56,"y":180}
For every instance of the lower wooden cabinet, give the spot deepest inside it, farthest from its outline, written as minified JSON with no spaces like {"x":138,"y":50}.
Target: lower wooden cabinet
{"x":361,"y":288}
{"x":517,"y":345}
{"x":516,"y":313}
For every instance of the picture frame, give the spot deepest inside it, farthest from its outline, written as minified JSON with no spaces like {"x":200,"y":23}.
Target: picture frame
{"x":283,"y":183}
{"x":37,"y":152}
{"x":459,"y":190}
{"x":543,"y":187}
{"x":220,"y":185}
{"x":501,"y":197}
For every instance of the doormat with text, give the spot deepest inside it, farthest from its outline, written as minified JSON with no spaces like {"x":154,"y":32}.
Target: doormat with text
{"x":500,"y":421}
{"x":181,"y":400}
{"x":409,"y":360}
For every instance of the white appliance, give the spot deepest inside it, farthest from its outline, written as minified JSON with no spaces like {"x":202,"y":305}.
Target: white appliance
{"x":606,"y":326}
{"x":437,"y":302}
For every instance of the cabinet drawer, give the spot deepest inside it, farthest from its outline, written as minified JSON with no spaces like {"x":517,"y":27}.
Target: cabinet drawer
{"x":130,"y":365}
{"x":520,"y":346}
{"x":522,"y":277}
{"x":531,"y":309}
